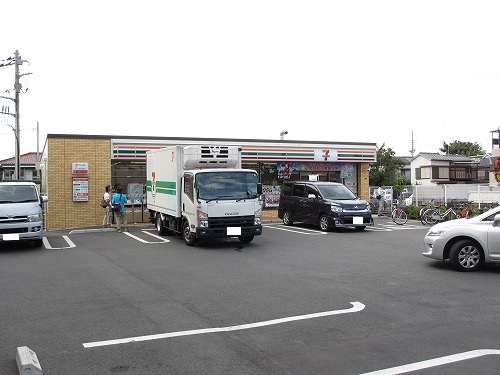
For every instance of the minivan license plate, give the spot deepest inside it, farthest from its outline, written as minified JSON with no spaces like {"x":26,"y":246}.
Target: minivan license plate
{"x":357,"y":220}
{"x":11,"y":237}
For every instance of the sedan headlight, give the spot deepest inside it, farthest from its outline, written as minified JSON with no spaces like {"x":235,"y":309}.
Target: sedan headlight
{"x":336,"y":208}
{"x":437,"y":231}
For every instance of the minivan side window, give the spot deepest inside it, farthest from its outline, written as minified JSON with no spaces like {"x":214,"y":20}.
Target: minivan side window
{"x":311,"y":190}
{"x":298,"y":190}
{"x":286,"y":189}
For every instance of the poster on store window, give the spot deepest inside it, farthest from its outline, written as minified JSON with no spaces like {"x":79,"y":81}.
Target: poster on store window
{"x":80,"y":189}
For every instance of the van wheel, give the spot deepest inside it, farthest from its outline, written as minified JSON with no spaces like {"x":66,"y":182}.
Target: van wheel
{"x":286,"y":218}
{"x":189,"y":238}
{"x":323,"y":223}
{"x":159,"y":226}
{"x":38,"y":243}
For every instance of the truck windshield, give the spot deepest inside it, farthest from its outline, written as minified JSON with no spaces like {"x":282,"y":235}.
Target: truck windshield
{"x":17,"y":194}
{"x":226,"y":185}
{"x":338,"y":192}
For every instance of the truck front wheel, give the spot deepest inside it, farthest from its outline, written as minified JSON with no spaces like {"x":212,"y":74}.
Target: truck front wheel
{"x":189,"y":238}
{"x":245,"y":239}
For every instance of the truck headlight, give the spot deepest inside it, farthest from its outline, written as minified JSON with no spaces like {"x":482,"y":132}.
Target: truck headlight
{"x":258,"y":217}
{"x":336,"y":208}
{"x":202,"y":219}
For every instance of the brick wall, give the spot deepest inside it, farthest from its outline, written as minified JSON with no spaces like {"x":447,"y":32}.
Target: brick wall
{"x":62,"y":212}
{"x":363,"y":181}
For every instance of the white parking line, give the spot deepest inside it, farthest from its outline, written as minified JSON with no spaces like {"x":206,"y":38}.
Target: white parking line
{"x":66,"y":238}
{"x":434,"y":362}
{"x":298,"y":230}
{"x":357,"y":306}
{"x":163,"y":240}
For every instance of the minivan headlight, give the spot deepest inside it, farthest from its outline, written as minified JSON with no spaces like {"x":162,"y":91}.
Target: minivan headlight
{"x":336,"y":208}
{"x":35,"y":218}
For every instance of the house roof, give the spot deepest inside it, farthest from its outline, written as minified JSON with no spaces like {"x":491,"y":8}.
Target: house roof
{"x":440,"y":157}
{"x":24,"y":159}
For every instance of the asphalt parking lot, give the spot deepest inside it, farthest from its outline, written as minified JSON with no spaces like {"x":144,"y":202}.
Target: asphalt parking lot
{"x":293,"y":301}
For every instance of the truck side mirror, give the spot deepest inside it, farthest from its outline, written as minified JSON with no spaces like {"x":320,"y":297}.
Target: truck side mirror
{"x":259,"y":188}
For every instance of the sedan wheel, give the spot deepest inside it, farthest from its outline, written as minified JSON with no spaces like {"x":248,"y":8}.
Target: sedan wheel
{"x":465,"y":256}
{"x":323,"y":223}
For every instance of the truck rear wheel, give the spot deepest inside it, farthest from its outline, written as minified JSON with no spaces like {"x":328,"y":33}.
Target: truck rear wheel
{"x":189,"y":238}
{"x":159,"y":226}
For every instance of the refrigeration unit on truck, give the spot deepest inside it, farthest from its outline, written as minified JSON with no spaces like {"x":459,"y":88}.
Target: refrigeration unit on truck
{"x":202,"y":192}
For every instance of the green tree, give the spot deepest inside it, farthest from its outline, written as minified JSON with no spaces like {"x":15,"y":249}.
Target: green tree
{"x":462,"y":148}
{"x":387,"y":169}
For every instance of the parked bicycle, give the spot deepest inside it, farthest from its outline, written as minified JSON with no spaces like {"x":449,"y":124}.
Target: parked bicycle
{"x":427,"y":205}
{"x":465,"y":211}
{"x":398,"y":214}
{"x":432,"y":216}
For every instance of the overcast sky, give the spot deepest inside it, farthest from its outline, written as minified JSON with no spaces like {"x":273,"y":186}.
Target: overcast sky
{"x":337,"y":71}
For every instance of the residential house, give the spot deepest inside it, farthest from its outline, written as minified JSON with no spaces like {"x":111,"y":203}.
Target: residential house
{"x":434,"y":169}
{"x":28,"y":168}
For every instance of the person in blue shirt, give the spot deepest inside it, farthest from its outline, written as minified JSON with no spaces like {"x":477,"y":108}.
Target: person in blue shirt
{"x":121,"y":216}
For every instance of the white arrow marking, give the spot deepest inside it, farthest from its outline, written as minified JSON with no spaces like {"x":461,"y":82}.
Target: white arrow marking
{"x":357,"y":306}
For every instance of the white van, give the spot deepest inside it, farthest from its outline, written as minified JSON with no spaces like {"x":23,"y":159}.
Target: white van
{"x":21,"y":217}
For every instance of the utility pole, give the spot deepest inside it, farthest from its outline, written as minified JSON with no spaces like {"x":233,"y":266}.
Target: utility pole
{"x":412,"y":151}
{"x":17,"y":61}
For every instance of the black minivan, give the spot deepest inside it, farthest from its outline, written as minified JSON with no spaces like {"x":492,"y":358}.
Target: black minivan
{"x":329,"y":205}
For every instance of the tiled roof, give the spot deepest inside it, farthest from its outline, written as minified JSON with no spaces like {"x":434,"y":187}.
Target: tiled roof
{"x":24,"y":159}
{"x":452,"y":158}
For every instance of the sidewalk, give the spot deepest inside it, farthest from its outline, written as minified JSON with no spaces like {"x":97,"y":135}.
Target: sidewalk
{"x":270,"y":216}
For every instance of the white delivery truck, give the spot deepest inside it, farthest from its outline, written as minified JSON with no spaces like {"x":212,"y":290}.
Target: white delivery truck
{"x":202,"y":192}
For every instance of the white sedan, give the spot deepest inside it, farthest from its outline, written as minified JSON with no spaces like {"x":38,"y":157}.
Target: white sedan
{"x":467,"y":243}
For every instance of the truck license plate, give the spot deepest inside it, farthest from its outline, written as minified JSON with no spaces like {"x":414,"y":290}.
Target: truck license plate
{"x":234,"y":231}
{"x":357,"y":220}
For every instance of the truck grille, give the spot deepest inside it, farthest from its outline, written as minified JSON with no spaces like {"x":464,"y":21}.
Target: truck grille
{"x":231,"y":221}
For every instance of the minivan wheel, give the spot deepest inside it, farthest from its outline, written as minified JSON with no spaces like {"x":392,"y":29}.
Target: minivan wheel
{"x":38,"y":243}
{"x":323,"y":223}
{"x":286,"y":218}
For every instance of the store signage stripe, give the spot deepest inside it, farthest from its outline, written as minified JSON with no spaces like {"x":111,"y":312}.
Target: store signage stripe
{"x":278,"y":158}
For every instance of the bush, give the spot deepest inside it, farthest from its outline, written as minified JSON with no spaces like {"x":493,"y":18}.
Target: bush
{"x":412,"y":212}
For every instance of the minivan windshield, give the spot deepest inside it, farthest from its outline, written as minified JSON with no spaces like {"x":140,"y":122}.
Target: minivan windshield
{"x":17,"y":194}
{"x":336,"y":192}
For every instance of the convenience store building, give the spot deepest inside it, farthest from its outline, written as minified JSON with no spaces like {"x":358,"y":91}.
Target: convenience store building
{"x":76,"y":168}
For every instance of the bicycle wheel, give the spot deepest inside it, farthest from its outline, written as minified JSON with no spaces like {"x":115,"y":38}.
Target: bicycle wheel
{"x":400,"y":218}
{"x":431,"y":216}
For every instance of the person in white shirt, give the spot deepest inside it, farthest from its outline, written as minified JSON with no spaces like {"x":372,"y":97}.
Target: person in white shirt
{"x":108,"y":215}
{"x":380,"y":197}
